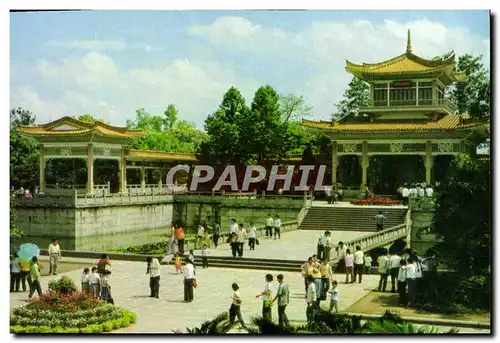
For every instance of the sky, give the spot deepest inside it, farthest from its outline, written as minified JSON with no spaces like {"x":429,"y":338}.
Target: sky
{"x":110,"y":63}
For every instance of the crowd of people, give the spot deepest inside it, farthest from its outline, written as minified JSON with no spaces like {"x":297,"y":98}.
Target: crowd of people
{"x":415,"y":190}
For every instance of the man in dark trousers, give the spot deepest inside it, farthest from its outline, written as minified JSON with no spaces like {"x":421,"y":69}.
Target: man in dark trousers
{"x":189,"y":280}
{"x":283,"y":297}
{"x":153,"y":270}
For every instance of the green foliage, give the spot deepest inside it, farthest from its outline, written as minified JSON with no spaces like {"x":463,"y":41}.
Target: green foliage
{"x":24,"y":153}
{"x":15,"y":232}
{"x":473,"y":96}
{"x":293,"y":107}
{"x":64,"y":285}
{"x":357,"y":95}
{"x":89,"y":119}
{"x":146,"y":249}
{"x":217,"y":326}
{"x":57,"y":301}
{"x":171,"y":115}
{"x":102,"y":319}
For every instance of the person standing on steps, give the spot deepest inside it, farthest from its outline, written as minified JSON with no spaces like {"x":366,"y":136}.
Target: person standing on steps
{"x":383,"y":270}
{"x":242,"y":236}
{"x":283,"y":296}
{"x":277,"y":227}
{"x":269,"y":226}
{"x":153,"y":269}
{"x":379,"y":219}
{"x":216,"y":233}
{"x":54,"y":256}
{"x":394,"y":271}
{"x":266,"y":298}
{"x":189,"y":280}
{"x":358,"y":263}
{"x":235,"y":309}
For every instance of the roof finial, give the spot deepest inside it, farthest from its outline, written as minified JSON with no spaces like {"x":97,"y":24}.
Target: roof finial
{"x":408,"y":44}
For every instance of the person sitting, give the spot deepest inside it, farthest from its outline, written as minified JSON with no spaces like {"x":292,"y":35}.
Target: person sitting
{"x":368,"y":193}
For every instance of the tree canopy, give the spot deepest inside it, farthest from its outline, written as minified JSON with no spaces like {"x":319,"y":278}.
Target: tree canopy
{"x":355,"y":96}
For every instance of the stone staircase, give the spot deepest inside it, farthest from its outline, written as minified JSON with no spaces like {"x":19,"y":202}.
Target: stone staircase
{"x":350,"y":218}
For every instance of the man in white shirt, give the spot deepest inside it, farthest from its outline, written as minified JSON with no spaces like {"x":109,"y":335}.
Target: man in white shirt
{"x":266,"y":297}
{"x":327,"y":246}
{"x":54,"y":256}
{"x":189,"y":279}
{"x":402,"y":283}
{"x":311,"y":300}
{"x":234,"y":227}
{"x":201,"y":232}
{"x":420,"y":191}
{"x":252,"y":235}
{"x":277,"y":227}
{"x":429,"y":191}
{"x":153,"y":269}
{"x":328,"y":192}
{"x":394,"y":263}
{"x":383,"y":270}
{"x":411,"y":278}
{"x":405,"y":193}
{"x":358,"y":263}
{"x":349,"y":266}
{"x":242,"y":235}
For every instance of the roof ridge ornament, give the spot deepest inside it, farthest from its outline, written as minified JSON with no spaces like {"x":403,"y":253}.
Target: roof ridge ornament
{"x":408,"y":43}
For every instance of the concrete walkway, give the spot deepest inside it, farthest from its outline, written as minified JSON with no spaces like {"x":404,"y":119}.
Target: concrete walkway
{"x":293,"y":245}
{"x":130,"y":289}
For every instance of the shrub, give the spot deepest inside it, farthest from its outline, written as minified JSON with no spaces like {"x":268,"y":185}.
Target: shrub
{"x":64,"y":285}
{"x":149,"y":248}
{"x":64,"y":301}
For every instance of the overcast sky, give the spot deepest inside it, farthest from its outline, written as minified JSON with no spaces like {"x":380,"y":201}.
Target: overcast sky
{"x":109,"y":63}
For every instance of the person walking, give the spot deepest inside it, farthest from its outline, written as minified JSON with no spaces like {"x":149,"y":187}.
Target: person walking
{"x":54,"y":256}
{"x":216,"y":233}
{"x":179,"y":236}
{"x":411,"y":279}
{"x":358,"y":263}
{"x":383,"y":270}
{"x":235,"y":309}
{"x":269,"y":225}
{"x":35,"y":278}
{"x":234,"y":227}
{"x":266,"y":298}
{"x":283,"y":297}
{"x":15,"y":273}
{"x":153,"y":269}
{"x":242,"y":236}
{"x":394,"y":271}
{"x":311,"y":300}
{"x":379,"y":220}
{"x":349,"y":266}
{"x":277,"y":227}
{"x":189,"y":281}
{"x":201,"y":233}
{"x":252,"y":235}
{"x":368,"y":263}
{"x":204,"y":257}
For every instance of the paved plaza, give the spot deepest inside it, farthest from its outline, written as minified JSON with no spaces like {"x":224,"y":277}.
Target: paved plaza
{"x":293,"y":245}
{"x":130,"y":289}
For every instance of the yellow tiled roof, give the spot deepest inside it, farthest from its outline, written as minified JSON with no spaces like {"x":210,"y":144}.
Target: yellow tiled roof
{"x":160,"y":155}
{"x":79,"y":128}
{"x":448,"y":122}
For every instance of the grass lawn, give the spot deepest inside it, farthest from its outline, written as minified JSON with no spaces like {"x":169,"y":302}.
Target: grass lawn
{"x":379,"y":302}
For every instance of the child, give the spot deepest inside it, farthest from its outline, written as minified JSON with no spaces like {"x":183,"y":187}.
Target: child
{"x":178,"y":263}
{"x":235,"y":309}
{"x":191,"y":256}
{"x":368,"y":263}
{"x":106,"y":286}
{"x":334,"y":297}
{"x":204,"y":257}
{"x":85,"y":280}
{"x":402,"y":282}
{"x":94,"y":282}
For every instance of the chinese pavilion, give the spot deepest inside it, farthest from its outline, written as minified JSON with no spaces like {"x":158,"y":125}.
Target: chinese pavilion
{"x":70,"y":138}
{"x":408,"y":114}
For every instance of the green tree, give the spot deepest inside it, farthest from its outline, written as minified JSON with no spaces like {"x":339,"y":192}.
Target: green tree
{"x":225,"y":130}
{"x":473,"y":96}
{"x":24,"y":153}
{"x":171,"y":115}
{"x":356,"y":95}
{"x":15,"y":232}
{"x":89,"y":119}
{"x":293,"y":107}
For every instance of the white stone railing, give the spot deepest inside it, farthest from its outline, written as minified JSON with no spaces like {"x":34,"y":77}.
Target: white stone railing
{"x":121,"y":199}
{"x":303,"y":212}
{"x":104,"y":189}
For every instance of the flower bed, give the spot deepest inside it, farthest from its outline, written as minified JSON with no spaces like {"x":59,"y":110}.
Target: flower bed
{"x":376,"y":201}
{"x":72,"y":312}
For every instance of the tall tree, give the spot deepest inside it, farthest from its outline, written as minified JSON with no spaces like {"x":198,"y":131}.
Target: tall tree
{"x":474,"y":96}
{"x":89,"y":119}
{"x":356,"y":95}
{"x":24,"y":151}
{"x":225,"y":128}
{"x":293,"y":107}
{"x":171,"y":115}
